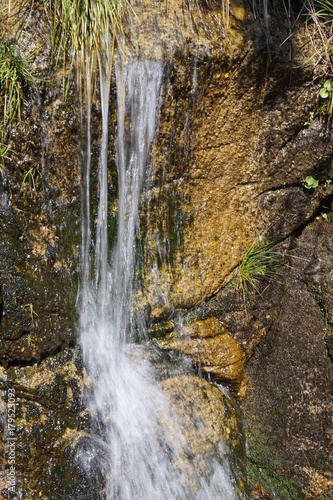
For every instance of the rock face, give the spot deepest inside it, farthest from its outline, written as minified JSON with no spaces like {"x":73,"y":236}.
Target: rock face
{"x":231,"y":154}
{"x":289,"y":399}
{"x":228,"y":163}
{"x":285,"y":332}
{"x":39,"y":207}
{"x":49,"y":422}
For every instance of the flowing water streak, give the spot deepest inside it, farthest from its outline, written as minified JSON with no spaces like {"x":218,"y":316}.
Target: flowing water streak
{"x":138,"y":87}
{"x":101,"y":250}
{"x":85,"y":176}
{"x":136,"y":446}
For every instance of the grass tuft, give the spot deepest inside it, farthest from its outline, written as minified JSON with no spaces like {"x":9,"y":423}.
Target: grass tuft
{"x":260,"y":262}
{"x":15,"y":77}
{"x":321,"y":16}
{"x":324,"y":8}
{"x":88,"y":28}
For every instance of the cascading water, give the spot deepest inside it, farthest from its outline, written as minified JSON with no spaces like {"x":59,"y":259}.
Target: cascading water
{"x":136,"y":446}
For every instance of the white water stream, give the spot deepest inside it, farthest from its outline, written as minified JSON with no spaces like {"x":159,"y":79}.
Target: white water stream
{"x":136,"y":443}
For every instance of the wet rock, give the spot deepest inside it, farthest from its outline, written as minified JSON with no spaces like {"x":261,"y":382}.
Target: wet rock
{"x":207,"y":419}
{"x":39,"y":209}
{"x":48,"y":425}
{"x":159,"y":330}
{"x":32,"y":301}
{"x":259,"y":493}
{"x":214,"y":352}
{"x":226,"y":168}
{"x":241,"y":316}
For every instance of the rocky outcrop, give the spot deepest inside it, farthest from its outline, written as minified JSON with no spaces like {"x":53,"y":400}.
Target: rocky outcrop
{"x":285,"y":331}
{"x":211,"y":350}
{"x":52,"y":428}
{"x":49,"y":422}
{"x":207,"y":418}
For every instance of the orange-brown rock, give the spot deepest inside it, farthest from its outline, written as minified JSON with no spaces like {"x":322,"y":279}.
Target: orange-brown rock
{"x":196,"y":400}
{"x":318,"y":484}
{"x":224,"y":179}
{"x":207,"y":422}
{"x":216,"y":353}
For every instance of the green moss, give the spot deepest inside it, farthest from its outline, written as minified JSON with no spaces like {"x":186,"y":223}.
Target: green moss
{"x":20,"y":423}
{"x":264,"y":467}
{"x":163,"y":217}
{"x":33,"y":452}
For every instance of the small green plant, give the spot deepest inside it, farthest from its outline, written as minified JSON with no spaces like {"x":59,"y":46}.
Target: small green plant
{"x":4,"y":149}
{"x":326,"y":90}
{"x":33,"y":180}
{"x":309,"y":120}
{"x":326,"y":214}
{"x":323,"y":215}
{"x":259,"y":261}
{"x":324,"y":9}
{"x":325,"y":94}
{"x":310,"y":182}
{"x":32,"y":313}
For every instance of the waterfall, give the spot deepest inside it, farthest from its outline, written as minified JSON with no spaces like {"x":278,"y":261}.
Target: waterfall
{"x":136,"y":448}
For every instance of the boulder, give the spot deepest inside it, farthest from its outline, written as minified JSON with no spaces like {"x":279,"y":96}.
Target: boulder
{"x":212,"y":351}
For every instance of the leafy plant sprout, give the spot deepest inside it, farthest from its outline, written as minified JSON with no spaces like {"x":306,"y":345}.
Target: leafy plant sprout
{"x":309,"y":120}
{"x":325,"y":94}
{"x":325,"y":104}
{"x":326,"y":90}
{"x":32,"y":313}
{"x":310,"y":182}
